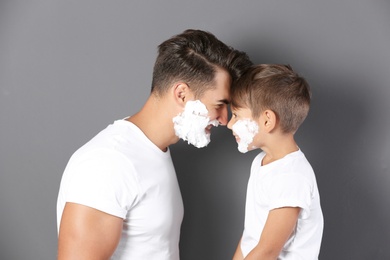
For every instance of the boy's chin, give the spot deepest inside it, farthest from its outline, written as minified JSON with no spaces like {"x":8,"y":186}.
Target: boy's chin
{"x":244,"y":149}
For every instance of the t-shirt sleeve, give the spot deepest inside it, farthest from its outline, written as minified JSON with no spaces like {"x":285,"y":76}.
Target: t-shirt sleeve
{"x":291,"y":191}
{"x":104,"y":180}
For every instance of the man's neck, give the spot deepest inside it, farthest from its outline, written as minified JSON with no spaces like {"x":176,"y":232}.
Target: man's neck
{"x":155,"y":121}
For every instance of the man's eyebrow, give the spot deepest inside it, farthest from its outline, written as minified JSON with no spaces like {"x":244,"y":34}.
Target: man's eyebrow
{"x":225,"y":101}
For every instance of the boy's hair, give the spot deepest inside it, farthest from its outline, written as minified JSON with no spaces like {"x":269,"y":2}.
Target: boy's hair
{"x":275,"y":87}
{"x":193,"y":57}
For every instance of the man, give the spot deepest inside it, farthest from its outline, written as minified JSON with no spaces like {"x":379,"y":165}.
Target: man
{"x":119,"y":197}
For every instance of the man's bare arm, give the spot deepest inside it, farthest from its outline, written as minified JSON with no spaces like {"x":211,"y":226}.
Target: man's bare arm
{"x":87,"y":233}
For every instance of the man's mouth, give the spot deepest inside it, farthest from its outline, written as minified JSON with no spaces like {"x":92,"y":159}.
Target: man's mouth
{"x":208,"y":128}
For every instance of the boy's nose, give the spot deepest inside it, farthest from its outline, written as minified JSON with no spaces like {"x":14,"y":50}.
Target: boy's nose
{"x":230,"y":124}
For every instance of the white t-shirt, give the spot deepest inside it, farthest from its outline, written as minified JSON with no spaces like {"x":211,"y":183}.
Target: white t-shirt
{"x":288,"y":182}
{"x":121,"y":172}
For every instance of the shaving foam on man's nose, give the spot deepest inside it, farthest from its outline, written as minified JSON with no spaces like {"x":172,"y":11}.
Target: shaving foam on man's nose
{"x":190,"y":125}
{"x":245,"y":129}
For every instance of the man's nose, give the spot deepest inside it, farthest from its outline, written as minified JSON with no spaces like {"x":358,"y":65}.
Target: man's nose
{"x":223,"y":116}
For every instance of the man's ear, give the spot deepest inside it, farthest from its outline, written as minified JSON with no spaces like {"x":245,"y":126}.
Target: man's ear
{"x":181,"y":93}
{"x":268,"y":120}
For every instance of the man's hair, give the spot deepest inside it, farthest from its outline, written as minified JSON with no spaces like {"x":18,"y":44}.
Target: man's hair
{"x":193,"y":57}
{"x":275,"y":87}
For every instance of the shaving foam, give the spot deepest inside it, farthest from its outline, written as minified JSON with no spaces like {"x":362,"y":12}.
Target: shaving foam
{"x":245,"y":129}
{"x":190,"y":125}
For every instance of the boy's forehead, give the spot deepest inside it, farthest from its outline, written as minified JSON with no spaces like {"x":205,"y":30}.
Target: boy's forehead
{"x":242,"y":109}
{"x":238,"y":103}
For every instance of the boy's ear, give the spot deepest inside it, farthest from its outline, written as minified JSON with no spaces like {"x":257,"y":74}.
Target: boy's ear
{"x":269,"y":120}
{"x":181,"y":93}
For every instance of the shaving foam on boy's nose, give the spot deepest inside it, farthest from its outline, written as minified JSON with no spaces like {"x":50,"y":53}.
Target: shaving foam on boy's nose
{"x":245,"y":129}
{"x":190,"y":125}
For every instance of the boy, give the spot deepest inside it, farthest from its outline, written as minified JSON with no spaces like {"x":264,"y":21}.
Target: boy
{"x":283,"y":216}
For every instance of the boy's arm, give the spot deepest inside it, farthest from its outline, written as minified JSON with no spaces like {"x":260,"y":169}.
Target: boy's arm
{"x":238,"y":254}
{"x":279,"y":226}
{"x":87,"y":233}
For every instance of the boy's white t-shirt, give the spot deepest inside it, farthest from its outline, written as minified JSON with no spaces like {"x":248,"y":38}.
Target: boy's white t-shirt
{"x":288,"y":182}
{"x":121,"y":172}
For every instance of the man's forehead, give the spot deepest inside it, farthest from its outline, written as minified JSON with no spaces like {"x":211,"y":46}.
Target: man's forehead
{"x":217,"y":95}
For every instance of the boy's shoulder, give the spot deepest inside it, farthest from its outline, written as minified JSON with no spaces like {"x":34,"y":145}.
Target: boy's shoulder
{"x":293,"y":165}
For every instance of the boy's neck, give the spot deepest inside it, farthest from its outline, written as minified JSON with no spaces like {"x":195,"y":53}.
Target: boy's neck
{"x":279,"y":147}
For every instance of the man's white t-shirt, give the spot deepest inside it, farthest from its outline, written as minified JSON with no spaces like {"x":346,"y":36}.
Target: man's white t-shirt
{"x":288,"y":182}
{"x":121,"y":172}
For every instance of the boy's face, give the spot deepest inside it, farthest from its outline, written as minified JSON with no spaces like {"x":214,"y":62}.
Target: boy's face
{"x":244,"y":128}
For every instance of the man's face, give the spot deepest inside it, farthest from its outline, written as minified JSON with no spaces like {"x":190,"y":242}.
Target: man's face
{"x":217,"y":99}
{"x":195,"y":122}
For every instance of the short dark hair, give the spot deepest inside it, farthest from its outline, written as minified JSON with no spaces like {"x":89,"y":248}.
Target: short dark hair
{"x":275,"y":87}
{"x":193,"y":57}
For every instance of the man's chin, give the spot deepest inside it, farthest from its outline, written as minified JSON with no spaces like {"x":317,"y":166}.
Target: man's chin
{"x":199,"y":145}
{"x":200,"y":142}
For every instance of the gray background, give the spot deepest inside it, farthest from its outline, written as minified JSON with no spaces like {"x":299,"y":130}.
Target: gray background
{"x":69,"y":68}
